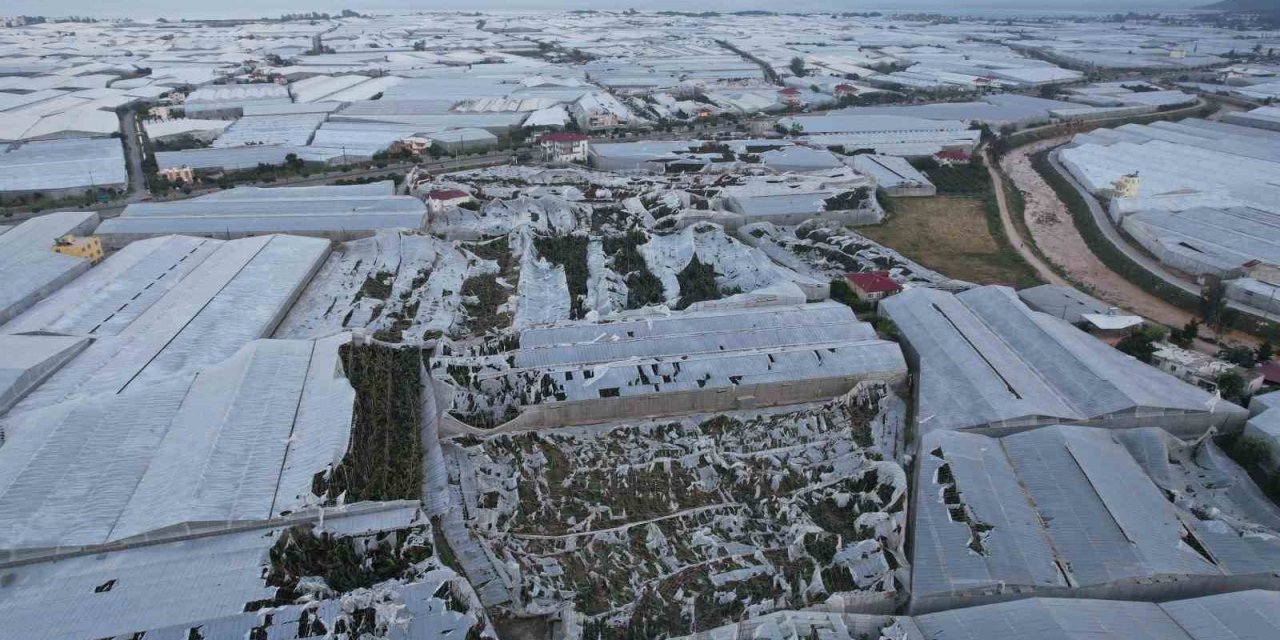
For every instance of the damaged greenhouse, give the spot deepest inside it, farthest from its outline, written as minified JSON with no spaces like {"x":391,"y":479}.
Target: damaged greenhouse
{"x":667,"y":365}
{"x":674,"y":526}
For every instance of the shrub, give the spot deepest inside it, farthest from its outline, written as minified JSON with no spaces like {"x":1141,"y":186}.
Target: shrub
{"x":569,"y":252}
{"x":697,"y":283}
{"x":384,"y":460}
{"x":643,"y":288}
{"x":1138,"y":344}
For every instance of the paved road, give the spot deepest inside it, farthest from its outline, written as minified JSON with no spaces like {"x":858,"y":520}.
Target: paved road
{"x":769,"y":73}
{"x":139,"y":192}
{"x":133,"y":154}
{"x":1044,"y":271}
{"x":1109,"y":230}
{"x":1148,"y":264}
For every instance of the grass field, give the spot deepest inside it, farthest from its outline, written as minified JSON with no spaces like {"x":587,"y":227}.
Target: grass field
{"x":952,"y":235}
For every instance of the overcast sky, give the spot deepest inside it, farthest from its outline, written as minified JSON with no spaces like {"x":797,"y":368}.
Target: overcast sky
{"x":272,"y":8}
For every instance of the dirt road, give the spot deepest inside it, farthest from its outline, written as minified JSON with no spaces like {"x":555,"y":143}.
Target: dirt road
{"x":1054,"y":233}
{"x":1019,"y":243}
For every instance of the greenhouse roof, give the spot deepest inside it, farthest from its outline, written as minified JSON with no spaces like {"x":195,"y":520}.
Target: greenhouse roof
{"x":236,"y":294}
{"x":241,"y":440}
{"x":985,"y":358}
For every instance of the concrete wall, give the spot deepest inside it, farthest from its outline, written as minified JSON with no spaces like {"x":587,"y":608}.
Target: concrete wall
{"x":119,"y":240}
{"x":1185,"y":425}
{"x":1155,"y":589}
{"x":850,"y":217}
{"x":917,"y":191}
{"x":563,"y":414}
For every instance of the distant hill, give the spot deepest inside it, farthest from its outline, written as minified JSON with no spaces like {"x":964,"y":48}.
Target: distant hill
{"x":1251,"y":6}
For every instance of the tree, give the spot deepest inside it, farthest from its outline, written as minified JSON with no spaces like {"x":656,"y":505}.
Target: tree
{"x":841,"y":292}
{"x":1155,"y":332}
{"x":886,"y":329}
{"x":1185,"y":336}
{"x":1213,"y":306}
{"x":1138,"y":343}
{"x":797,"y":67}
{"x":1265,"y":352}
{"x":1239,"y":355}
{"x":1231,"y":386}
{"x":1250,"y":452}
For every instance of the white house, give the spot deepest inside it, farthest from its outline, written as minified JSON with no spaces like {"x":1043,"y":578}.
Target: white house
{"x":564,"y":146}
{"x":1202,"y":369}
{"x":442,"y":199}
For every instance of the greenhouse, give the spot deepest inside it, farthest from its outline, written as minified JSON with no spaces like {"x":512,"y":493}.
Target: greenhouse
{"x":987,"y":362}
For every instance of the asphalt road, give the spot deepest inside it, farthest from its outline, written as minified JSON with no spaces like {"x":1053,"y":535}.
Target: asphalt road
{"x":133,"y":154}
{"x":1148,"y":264}
{"x":138,"y":183}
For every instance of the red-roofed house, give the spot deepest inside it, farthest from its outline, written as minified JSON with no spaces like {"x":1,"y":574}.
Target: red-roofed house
{"x":564,"y":146}
{"x":442,"y":199}
{"x":790,"y":96}
{"x":873,"y":285}
{"x":1270,"y":372}
{"x":951,"y":156}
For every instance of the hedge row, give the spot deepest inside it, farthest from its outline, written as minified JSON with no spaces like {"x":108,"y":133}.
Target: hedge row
{"x":1114,"y":258}
{"x":1121,"y":263}
{"x":1035,"y":134}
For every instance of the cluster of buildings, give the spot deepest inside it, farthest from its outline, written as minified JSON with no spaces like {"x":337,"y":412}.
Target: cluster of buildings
{"x":1254,"y":81}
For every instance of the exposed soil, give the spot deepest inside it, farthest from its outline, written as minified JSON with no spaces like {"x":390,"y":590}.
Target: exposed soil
{"x":1054,"y":232}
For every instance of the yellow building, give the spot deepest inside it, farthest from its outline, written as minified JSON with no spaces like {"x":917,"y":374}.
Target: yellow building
{"x":89,"y":248}
{"x":178,"y":174}
{"x":1126,"y":186}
